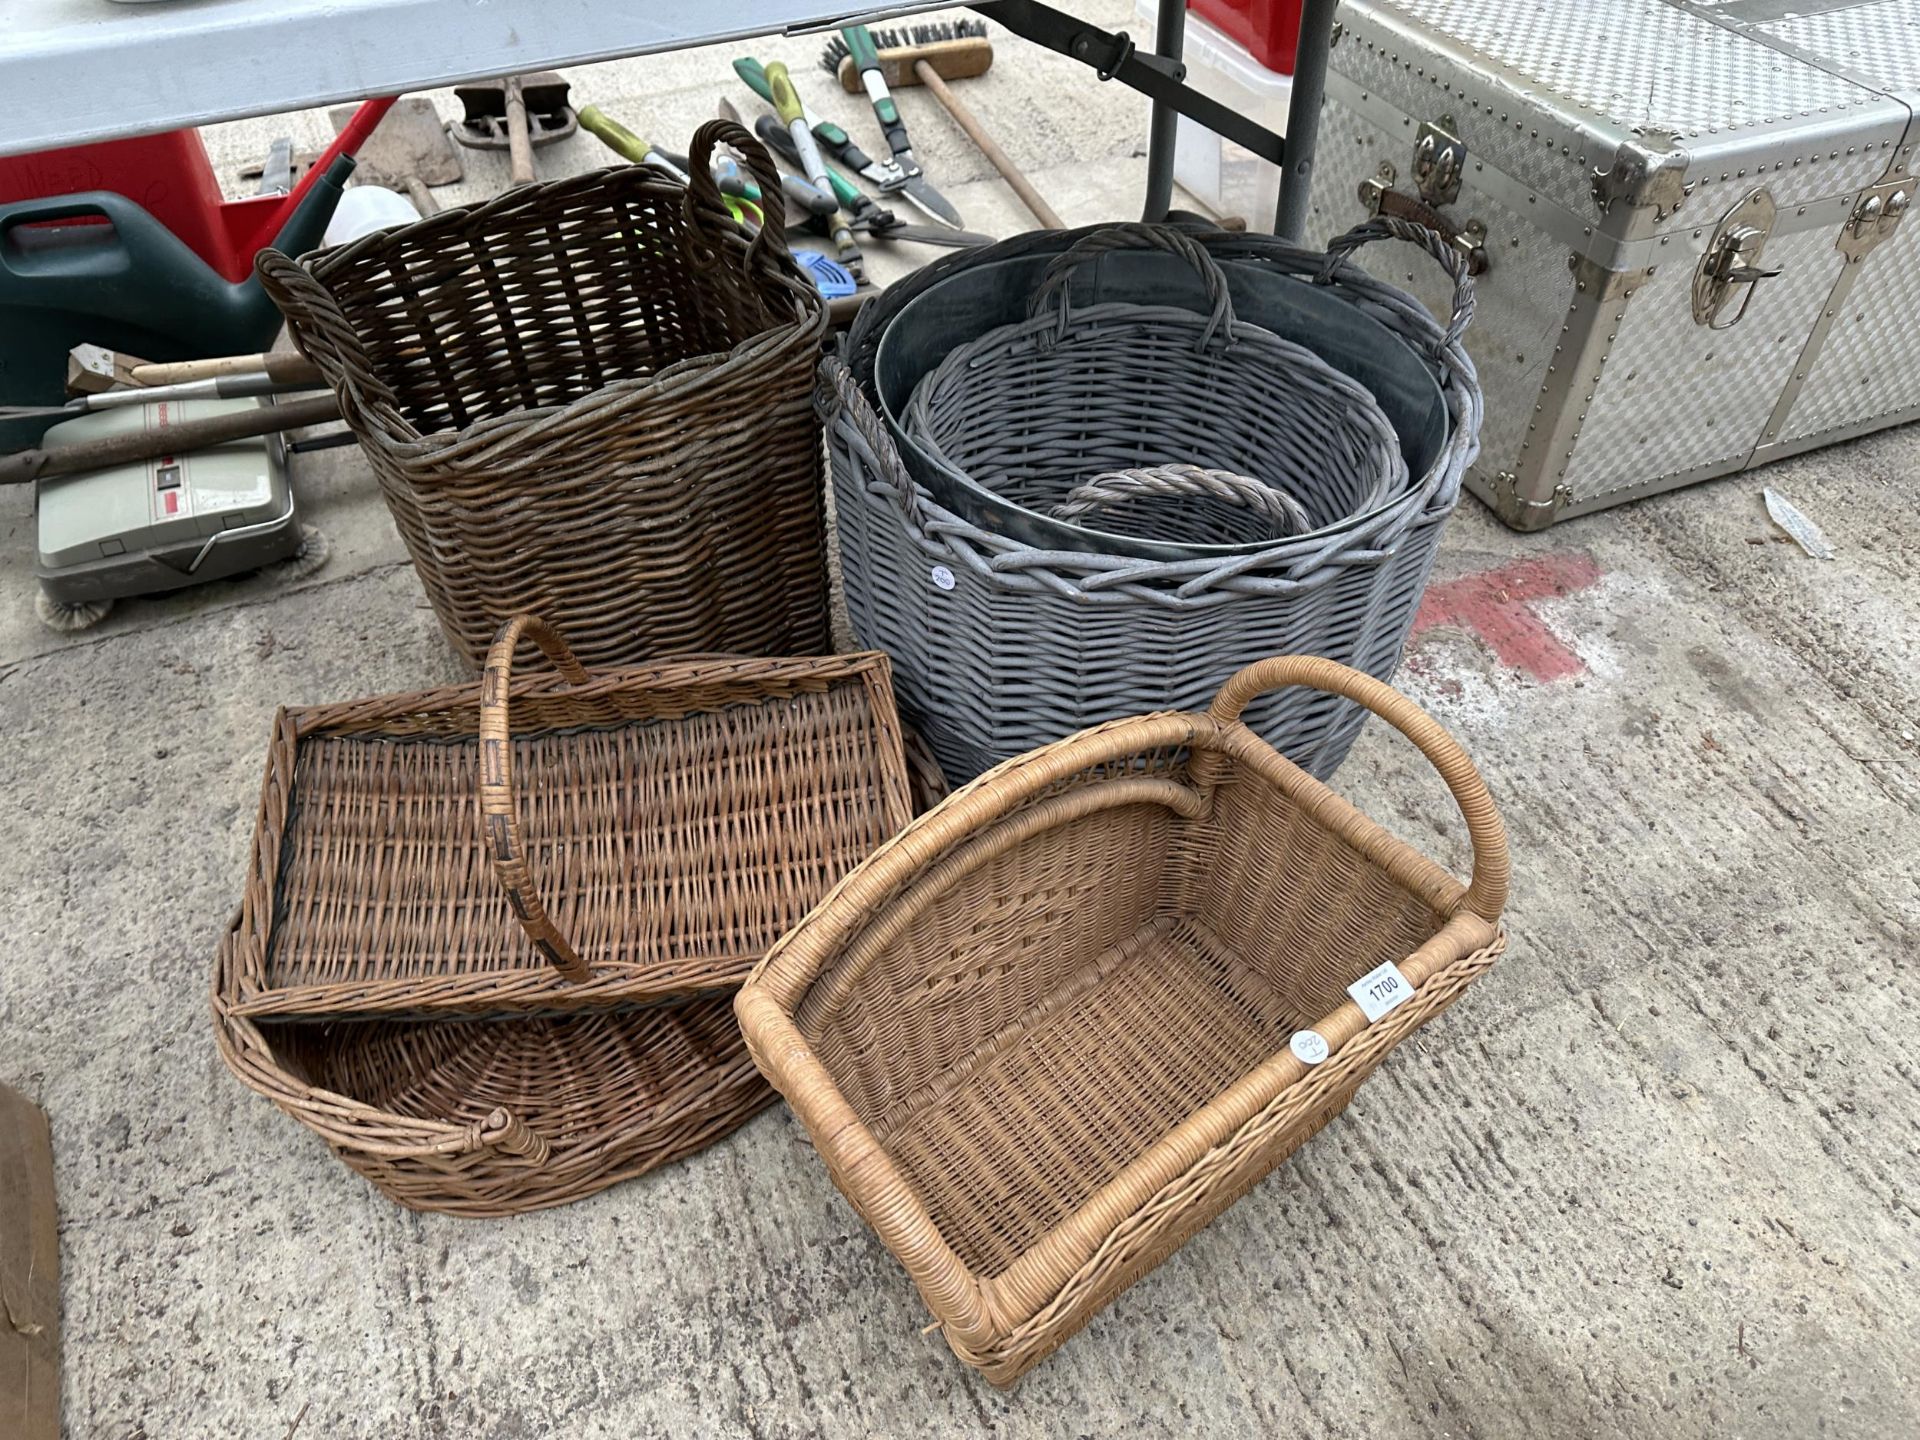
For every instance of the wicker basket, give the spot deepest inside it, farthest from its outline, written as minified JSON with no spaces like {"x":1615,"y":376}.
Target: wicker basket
{"x":500,"y":1117}
{"x":1187,"y":428}
{"x":1069,"y":1016}
{"x":1001,"y":645}
{"x":642,"y":835}
{"x":589,"y":399}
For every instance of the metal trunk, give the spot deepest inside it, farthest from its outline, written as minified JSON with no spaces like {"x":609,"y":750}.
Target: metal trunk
{"x":1692,"y":218}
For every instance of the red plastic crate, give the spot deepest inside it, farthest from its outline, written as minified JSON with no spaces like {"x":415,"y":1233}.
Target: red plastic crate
{"x":1268,"y":29}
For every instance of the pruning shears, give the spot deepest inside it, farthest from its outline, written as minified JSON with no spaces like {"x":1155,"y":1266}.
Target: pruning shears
{"x":886,"y":176}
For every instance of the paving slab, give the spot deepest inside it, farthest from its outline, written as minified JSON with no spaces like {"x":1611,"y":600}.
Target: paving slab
{"x":1655,"y":1175}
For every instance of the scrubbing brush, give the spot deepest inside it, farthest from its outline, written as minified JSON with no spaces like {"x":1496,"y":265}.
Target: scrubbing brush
{"x":956,"y":49}
{"x":315,"y":550}
{"x":69,"y":617}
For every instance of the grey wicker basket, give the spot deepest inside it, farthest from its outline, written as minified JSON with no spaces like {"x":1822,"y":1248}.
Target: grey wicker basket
{"x":1190,"y":429}
{"x":1000,"y":646}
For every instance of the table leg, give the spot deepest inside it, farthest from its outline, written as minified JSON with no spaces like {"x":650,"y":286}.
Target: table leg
{"x":1170,"y":40}
{"x":1303,"y":117}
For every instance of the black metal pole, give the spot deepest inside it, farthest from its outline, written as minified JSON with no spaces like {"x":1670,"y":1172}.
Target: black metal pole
{"x":1303,"y":116}
{"x":1170,"y":40}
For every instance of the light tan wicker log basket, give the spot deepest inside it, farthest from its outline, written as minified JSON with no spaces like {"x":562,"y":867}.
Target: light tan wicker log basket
{"x":490,"y":932}
{"x":1067,"y":1017}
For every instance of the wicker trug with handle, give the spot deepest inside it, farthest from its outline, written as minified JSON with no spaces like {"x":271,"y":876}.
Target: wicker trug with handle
{"x":589,"y":399}
{"x":492,"y":1118}
{"x":559,"y":842}
{"x":1067,"y":1017}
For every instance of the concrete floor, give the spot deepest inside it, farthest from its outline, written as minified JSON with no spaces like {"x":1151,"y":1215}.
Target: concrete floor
{"x":1658,"y":1175}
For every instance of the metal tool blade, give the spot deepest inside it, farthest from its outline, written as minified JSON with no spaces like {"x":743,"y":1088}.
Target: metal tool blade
{"x":922,"y":194}
{"x":882,"y":176}
{"x":925,"y":234}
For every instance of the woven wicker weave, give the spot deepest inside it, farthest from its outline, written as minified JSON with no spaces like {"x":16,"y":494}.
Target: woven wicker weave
{"x":500,"y":1117}
{"x":559,"y":842}
{"x":1041,"y":412}
{"x":1000,"y":647}
{"x":589,"y":399}
{"x":1049,"y":1031}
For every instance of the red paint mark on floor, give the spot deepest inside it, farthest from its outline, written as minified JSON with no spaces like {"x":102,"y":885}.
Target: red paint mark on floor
{"x":1497,"y":605}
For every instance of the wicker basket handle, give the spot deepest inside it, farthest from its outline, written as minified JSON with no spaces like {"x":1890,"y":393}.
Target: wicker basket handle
{"x":1391,"y":227}
{"x":503,"y":1130}
{"x":1487,"y":891}
{"x":707,"y":209}
{"x":1114,"y":487}
{"x":499,"y":820}
{"x":322,"y":332}
{"x":500,"y":1130}
{"x":1053,"y":286}
{"x":839,"y":389}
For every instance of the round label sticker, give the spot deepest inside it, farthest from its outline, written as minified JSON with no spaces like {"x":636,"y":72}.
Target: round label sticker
{"x":1309,"y":1046}
{"x":942,"y":578}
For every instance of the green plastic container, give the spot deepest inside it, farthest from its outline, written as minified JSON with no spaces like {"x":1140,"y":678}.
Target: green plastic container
{"x":127,"y":284}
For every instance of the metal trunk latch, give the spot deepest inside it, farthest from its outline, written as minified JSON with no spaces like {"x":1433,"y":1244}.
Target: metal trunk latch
{"x":1380,"y":198}
{"x":1439,"y":162}
{"x":1439,"y":159}
{"x":1731,"y":264}
{"x":1875,"y":217}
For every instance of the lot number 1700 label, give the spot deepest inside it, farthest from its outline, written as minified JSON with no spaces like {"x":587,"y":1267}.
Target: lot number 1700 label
{"x":1380,"y":990}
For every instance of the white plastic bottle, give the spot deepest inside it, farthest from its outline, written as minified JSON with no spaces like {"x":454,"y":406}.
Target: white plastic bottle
{"x":364,"y":209}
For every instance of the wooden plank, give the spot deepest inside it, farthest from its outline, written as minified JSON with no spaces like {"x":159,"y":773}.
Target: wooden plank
{"x":29,"y":1274}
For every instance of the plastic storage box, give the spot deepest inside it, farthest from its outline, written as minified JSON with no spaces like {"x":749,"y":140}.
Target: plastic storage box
{"x":1270,"y":29}
{"x":1224,"y":177}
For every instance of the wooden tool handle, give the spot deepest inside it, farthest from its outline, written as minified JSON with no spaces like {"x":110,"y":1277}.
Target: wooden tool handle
{"x":519,"y":137}
{"x":283,"y":369}
{"x":963,"y":117}
{"x":421,"y":196}
{"x":30,"y":465}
